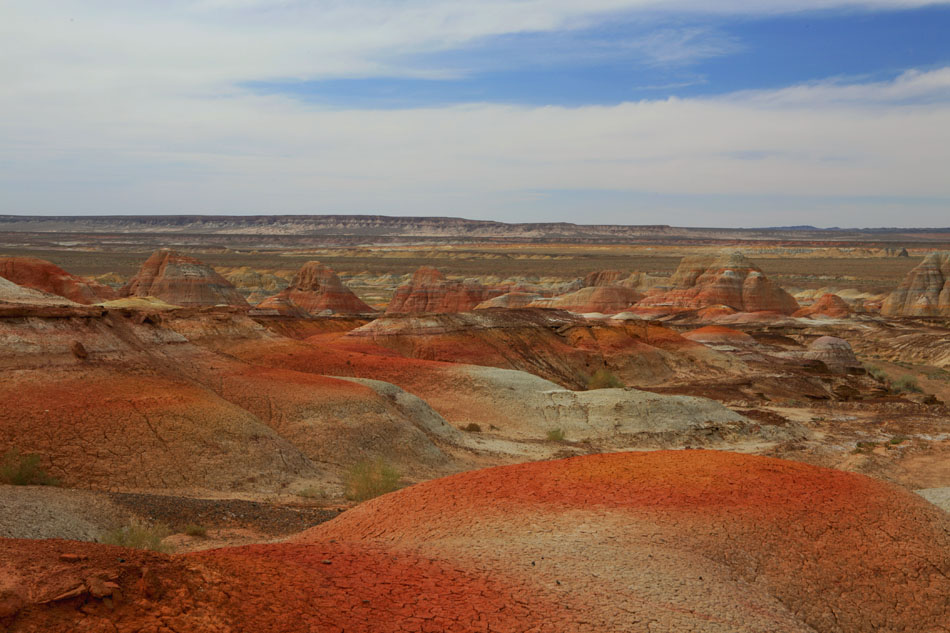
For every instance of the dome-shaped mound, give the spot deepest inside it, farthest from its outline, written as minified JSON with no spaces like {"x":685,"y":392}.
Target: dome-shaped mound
{"x":182,"y":280}
{"x":700,"y":540}
{"x":833,"y":351}
{"x":829,"y":305}
{"x":314,"y":289}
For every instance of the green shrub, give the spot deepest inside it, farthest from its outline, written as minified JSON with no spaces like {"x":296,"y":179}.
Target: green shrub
{"x":199,"y":531}
{"x":471,"y":427}
{"x":138,"y":535}
{"x":21,"y":469}
{"x":905,"y":384}
{"x":556,"y":435}
{"x":877,"y":373}
{"x":371,"y":478}
{"x":898,"y":439}
{"x":864,"y":447}
{"x":604,"y":379}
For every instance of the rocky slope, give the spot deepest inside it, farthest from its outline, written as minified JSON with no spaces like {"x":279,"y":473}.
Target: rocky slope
{"x":38,"y":274}
{"x":430,"y":291}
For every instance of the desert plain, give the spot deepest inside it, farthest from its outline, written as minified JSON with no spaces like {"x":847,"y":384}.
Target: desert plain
{"x":338,"y":423}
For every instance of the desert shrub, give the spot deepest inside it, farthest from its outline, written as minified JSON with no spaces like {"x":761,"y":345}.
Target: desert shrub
{"x":196,"y":530}
{"x":898,"y":439}
{"x":905,"y":384}
{"x":556,"y":435}
{"x":21,"y":469}
{"x":604,"y":379}
{"x":137,"y":535}
{"x":312,"y":492}
{"x":371,"y":478}
{"x":472,"y":428}
{"x":864,"y":447}
{"x":877,"y":373}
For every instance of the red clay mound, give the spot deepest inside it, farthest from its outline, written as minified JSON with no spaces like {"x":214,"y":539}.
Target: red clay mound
{"x":316,"y":288}
{"x":672,"y":541}
{"x":182,"y":280}
{"x":39,"y":274}
{"x":430,"y":291}
{"x":829,"y":305}
{"x":668,"y":536}
{"x":730,"y":280}
{"x":719,"y":335}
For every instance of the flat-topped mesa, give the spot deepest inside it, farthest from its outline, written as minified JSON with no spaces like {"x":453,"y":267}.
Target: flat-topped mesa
{"x":429,"y":291}
{"x":925,"y":290}
{"x":39,"y":274}
{"x":182,"y":280}
{"x":829,"y":305}
{"x":728,"y":280}
{"x":315,"y":289}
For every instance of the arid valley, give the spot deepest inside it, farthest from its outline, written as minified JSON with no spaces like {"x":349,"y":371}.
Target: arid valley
{"x":359,"y":423}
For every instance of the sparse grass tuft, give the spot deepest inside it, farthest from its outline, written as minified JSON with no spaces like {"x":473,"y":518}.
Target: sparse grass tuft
{"x":138,"y":535}
{"x":312,"y":492}
{"x":898,"y":439}
{"x":371,"y":478}
{"x":604,"y":379}
{"x":199,"y":531}
{"x":471,"y":427}
{"x":864,"y":448}
{"x":905,"y":384}
{"x":19,"y":469}
{"x":556,"y":435}
{"x":877,"y":373}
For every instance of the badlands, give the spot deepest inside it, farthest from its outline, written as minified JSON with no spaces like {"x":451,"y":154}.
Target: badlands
{"x":438,"y":426}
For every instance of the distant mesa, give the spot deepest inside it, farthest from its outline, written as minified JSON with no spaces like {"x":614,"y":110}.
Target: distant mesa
{"x":925,"y":292}
{"x":316,"y":289}
{"x":430,"y":292}
{"x":182,"y":280}
{"x":726,"y":280}
{"x":829,"y":305}
{"x":39,"y":274}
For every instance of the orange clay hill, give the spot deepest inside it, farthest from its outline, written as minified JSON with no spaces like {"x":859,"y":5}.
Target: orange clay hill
{"x":430,"y":291}
{"x":728,"y":280}
{"x":182,"y":280}
{"x":39,"y":274}
{"x":828,"y":305}
{"x":699,"y":541}
{"x":315,"y":289}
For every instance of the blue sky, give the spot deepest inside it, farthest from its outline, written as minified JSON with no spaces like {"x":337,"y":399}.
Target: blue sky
{"x":627,"y":56}
{"x":686,"y":112}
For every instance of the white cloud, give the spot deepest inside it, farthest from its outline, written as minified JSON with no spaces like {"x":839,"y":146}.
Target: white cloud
{"x":131,"y":107}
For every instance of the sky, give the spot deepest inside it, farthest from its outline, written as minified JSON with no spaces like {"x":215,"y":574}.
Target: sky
{"x":682,"y":112}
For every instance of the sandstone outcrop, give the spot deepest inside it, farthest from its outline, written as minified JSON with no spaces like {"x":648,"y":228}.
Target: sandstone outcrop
{"x":39,"y":274}
{"x":11,"y":293}
{"x":316,"y":289}
{"x":828,"y":305}
{"x":593,"y":299}
{"x":430,"y":292}
{"x":509,"y":300}
{"x":925,"y":292}
{"x":720,"y":335}
{"x":729,"y":280}
{"x":834,"y":352}
{"x":182,"y":280}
